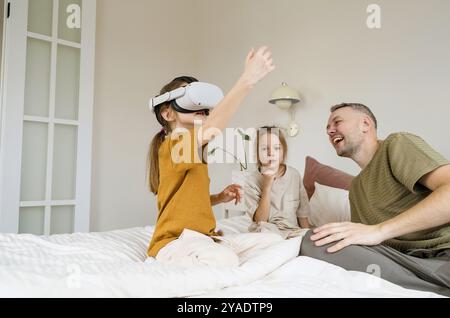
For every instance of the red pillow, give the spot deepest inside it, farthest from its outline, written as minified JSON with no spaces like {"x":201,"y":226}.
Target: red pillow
{"x":325,"y":175}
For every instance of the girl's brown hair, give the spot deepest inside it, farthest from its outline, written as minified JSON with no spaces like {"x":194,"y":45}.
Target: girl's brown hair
{"x":271,"y":130}
{"x":152,"y":156}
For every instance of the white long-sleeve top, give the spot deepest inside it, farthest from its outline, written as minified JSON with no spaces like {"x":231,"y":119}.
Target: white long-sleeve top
{"x":288,"y":202}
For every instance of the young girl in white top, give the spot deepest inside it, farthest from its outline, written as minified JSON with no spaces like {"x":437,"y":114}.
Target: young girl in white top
{"x":275,"y":197}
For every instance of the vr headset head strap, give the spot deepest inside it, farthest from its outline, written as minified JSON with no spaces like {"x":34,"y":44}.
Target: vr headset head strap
{"x":172,"y":95}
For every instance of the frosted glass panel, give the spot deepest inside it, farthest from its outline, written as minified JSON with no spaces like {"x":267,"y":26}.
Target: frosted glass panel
{"x":67,"y":25}
{"x":31,"y":220}
{"x":62,"y":219}
{"x":64,"y":162}
{"x":67,"y":82}
{"x":40,"y":16}
{"x":37,"y":85}
{"x":34,"y":161}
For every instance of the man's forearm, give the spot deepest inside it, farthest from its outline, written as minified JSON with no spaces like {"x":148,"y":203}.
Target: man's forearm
{"x":431,"y":212}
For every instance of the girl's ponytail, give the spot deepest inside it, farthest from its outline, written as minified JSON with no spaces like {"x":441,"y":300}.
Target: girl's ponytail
{"x":153,"y":161}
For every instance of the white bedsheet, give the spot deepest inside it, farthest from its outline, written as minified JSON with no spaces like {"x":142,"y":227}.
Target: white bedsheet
{"x":305,"y":277}
{"x":114,"y":264}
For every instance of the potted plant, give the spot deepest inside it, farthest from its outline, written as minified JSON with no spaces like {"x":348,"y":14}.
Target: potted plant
{"x":237,"y":176}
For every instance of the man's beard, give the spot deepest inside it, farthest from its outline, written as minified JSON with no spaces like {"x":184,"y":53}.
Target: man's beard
{"x":346,"y":152}
{"x":349,"y":150}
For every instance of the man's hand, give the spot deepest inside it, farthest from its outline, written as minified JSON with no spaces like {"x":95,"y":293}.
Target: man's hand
{"x":232,"y":192}
{"x":347,"y":233}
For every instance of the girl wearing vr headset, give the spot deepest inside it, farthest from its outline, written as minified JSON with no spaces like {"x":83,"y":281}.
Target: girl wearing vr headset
{"x":275,"y":197}
{"x":185,"y":231}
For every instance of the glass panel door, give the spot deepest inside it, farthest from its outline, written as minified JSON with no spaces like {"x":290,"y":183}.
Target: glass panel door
{"x":40,"y":17}
{"x":51,"y":96}
{"x":37,"y":78}
{"x":31,"y":220}
{"x":48,"y":108}
{"x":34,"y":161}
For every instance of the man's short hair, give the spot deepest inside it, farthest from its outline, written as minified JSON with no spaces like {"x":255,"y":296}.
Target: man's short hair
{"x":359,"y":107}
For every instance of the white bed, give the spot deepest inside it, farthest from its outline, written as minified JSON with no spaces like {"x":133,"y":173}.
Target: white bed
{"x":114,"y":264}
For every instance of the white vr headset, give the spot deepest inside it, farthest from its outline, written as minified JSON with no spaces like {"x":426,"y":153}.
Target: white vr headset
{"x":196,"y":96}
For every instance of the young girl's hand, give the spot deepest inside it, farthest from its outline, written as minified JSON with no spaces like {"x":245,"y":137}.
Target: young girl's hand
{"x":232,"y":192}
{"x":269,"y":176}
{"x":257,"y":65}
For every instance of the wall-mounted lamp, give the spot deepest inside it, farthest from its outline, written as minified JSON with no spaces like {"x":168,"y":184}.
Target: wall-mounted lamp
{"x":285,"y":97}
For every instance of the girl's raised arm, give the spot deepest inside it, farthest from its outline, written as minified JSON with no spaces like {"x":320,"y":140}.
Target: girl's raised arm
{"x":257,"y":65}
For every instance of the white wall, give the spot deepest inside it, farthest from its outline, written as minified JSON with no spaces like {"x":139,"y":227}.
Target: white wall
{"x":140,"y":46}
{"x":322,"y":47}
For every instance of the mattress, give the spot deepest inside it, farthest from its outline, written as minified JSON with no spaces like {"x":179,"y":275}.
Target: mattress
{"x":115,"y":264}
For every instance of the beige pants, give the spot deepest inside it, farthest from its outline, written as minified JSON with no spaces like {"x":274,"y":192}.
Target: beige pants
{"x":196,"y":248}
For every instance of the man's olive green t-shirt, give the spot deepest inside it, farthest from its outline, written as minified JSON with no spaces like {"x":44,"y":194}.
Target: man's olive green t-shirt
{"x":389,"y":185}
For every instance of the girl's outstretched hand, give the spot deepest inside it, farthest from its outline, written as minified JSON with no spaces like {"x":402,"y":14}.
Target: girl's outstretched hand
{"x":232,"y":192}
{"x":257,"y":65}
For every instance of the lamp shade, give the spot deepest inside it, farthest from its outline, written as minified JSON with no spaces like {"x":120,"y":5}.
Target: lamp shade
{"x":284,"y":96}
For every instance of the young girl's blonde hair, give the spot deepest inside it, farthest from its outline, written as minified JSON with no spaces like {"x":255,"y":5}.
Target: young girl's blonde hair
{"x":271,"y":130}
{"x":152,"y":155}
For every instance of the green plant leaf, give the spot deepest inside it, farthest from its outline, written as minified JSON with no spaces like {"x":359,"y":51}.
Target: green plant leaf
{"x":244,"y":136}
{"x":211,"y":152}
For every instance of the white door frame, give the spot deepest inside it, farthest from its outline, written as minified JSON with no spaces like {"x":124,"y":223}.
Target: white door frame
{"x":85,"y":117}
{"x":13,"y":116}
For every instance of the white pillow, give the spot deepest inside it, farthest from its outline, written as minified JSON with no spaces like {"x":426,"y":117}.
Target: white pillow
{"x":329,"y":205}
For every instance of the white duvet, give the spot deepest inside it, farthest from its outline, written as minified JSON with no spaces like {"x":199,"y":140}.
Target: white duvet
{"x":114,"y":264}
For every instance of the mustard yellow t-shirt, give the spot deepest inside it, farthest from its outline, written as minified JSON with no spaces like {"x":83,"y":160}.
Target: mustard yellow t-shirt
{"x":183,"y":193}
